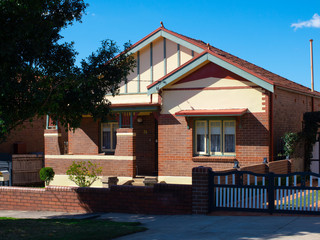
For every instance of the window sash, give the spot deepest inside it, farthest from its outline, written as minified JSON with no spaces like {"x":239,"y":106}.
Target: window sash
{"x":215,"y":137}
{"x":229,"y":137}
{"x":201,"y":137}
{"x":109,"y":137}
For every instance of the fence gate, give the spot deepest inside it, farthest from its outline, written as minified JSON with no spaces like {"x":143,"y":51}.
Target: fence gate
{"x":247,"y":191}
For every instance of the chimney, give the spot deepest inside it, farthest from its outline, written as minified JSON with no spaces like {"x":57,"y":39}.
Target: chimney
{"x":311,"y":61}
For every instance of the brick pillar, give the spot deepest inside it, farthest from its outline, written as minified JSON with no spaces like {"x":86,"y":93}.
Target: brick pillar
{"x":51,"y":142}
{"x":126,"y":145}
{"x":126,"y":142}
{"x":200,"y":190}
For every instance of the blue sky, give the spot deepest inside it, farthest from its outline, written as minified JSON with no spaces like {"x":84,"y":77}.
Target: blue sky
{"x":271,"y":34}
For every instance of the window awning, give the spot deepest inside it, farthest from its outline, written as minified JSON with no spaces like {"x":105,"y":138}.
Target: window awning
{"x":212,"y":112}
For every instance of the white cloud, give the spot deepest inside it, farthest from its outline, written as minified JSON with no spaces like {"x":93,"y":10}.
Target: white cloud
{"x":313,"y":22}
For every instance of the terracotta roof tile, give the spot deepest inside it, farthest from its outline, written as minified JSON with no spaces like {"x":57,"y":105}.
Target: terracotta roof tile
{"x":276,"y":79}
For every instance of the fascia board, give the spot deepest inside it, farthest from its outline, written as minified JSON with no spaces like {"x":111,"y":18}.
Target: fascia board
{"x":181,"y":42}
{"x":145,"y":42}
{"x":241,"y":73}
{"x":168,"y":36}
{"x":174,"y":76}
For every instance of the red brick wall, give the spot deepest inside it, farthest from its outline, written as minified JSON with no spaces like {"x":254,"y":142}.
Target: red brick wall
{"x":51,"y":142}
{"x":125,"y":143}
{"x":85,"y":140}
{"x":288,"y":114}
{"x":160,"y":199}
{"x":176,"y":144}
{"x":29,"y":133}
{"x":280,"y":167}
{"x":145,"y":145}
{"x":109,"y":167}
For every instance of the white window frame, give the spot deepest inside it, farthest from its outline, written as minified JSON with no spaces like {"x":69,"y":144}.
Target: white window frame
{"x":113,"y":127}
{"x":205,"y":139}
{"x":235,"y":136}
{"x":208,"y":137}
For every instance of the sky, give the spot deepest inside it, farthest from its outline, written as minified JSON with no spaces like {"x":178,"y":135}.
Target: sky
{"x":271,"y":34}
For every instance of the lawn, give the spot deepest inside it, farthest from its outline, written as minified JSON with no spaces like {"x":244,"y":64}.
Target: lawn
{"x":11,"y":228}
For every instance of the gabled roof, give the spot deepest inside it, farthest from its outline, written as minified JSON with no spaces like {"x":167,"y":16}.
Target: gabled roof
{"x":252,"y":72}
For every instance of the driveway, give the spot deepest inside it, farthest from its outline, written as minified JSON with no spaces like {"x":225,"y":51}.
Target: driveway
{"x":187,"y":227}
{"x":222,"y":227}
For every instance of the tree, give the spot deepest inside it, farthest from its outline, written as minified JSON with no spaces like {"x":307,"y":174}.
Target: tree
{"x":38,"y":75}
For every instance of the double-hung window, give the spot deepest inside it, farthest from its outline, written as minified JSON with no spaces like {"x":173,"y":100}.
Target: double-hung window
{"x":109,"y":136}
{"x":215,"y":137}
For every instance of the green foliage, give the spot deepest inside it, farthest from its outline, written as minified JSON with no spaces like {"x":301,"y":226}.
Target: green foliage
{"x":84,"y":173}
{"x":309,"y":133}
{"x":38,"y":74}
{"x":46,"y":174}
{"x":290,"y":140}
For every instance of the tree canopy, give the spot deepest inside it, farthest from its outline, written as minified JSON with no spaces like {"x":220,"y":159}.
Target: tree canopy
{"x":38,"y":74}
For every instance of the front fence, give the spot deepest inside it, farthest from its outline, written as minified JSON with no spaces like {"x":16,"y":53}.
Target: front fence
{"x":247,"y":191}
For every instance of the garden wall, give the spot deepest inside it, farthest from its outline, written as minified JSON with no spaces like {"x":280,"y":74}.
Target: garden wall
{"x":160,"y":199}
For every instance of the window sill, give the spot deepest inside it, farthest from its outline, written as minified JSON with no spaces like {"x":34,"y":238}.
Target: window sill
{"x":224,"y":159}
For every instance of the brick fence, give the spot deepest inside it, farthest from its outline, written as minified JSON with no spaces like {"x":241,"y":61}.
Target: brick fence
{"x":159,"y":199}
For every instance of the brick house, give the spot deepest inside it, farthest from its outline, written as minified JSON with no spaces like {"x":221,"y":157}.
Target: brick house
{"x":186,"y":104}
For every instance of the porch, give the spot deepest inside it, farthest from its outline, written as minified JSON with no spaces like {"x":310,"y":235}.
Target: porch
{"x":124,"y":145}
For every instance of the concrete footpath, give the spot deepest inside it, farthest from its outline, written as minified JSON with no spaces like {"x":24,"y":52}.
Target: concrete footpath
{"x":202,"y":227}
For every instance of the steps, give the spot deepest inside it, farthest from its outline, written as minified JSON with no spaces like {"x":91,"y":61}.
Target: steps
{"x":144,"y":181}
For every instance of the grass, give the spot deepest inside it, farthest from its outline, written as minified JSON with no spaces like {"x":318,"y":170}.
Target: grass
{"x":299,"y":198}
{"x":11,"y":228}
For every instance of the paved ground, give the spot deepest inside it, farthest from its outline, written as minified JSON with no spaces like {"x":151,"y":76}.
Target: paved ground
{"x":203,"y":227}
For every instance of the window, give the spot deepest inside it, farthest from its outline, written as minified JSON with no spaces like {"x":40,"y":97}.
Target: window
{"x":215,"y":137}
{"x":108,"y":136}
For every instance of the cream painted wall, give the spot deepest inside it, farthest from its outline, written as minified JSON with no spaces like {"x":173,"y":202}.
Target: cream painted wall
{"x":213,"y":82}
{"x":172,"y":56}
{"x":177,"y":100}
{"x":63,"y":180}
{"x":185,"y":54}
{"x":144,"y":68}
{"x":132,"y":98}
{"x":131,"y":85}
{"x":157,"y":54}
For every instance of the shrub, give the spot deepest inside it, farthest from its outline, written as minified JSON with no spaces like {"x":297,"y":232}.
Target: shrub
{"x":290,"y":141}
{"x":46,"y":174}
{"x":84,"y":173}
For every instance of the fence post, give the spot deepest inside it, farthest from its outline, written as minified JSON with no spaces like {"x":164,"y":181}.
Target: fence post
{"x":201,"y":190}
{"x":211,"y":191}
{"x":271,"y":192}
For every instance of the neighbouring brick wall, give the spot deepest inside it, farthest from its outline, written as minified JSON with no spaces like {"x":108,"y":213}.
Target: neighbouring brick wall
{"x":85,"y":139}
{"x":288,"y":114}
{"x":110,"y":167}
{"x":280,"y":167}
{"x":145,"y":145}
{"x":176,"y":144}
{"x":257,"y":168}
{"x":29,"y":133}
{"x":160,"y":199}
